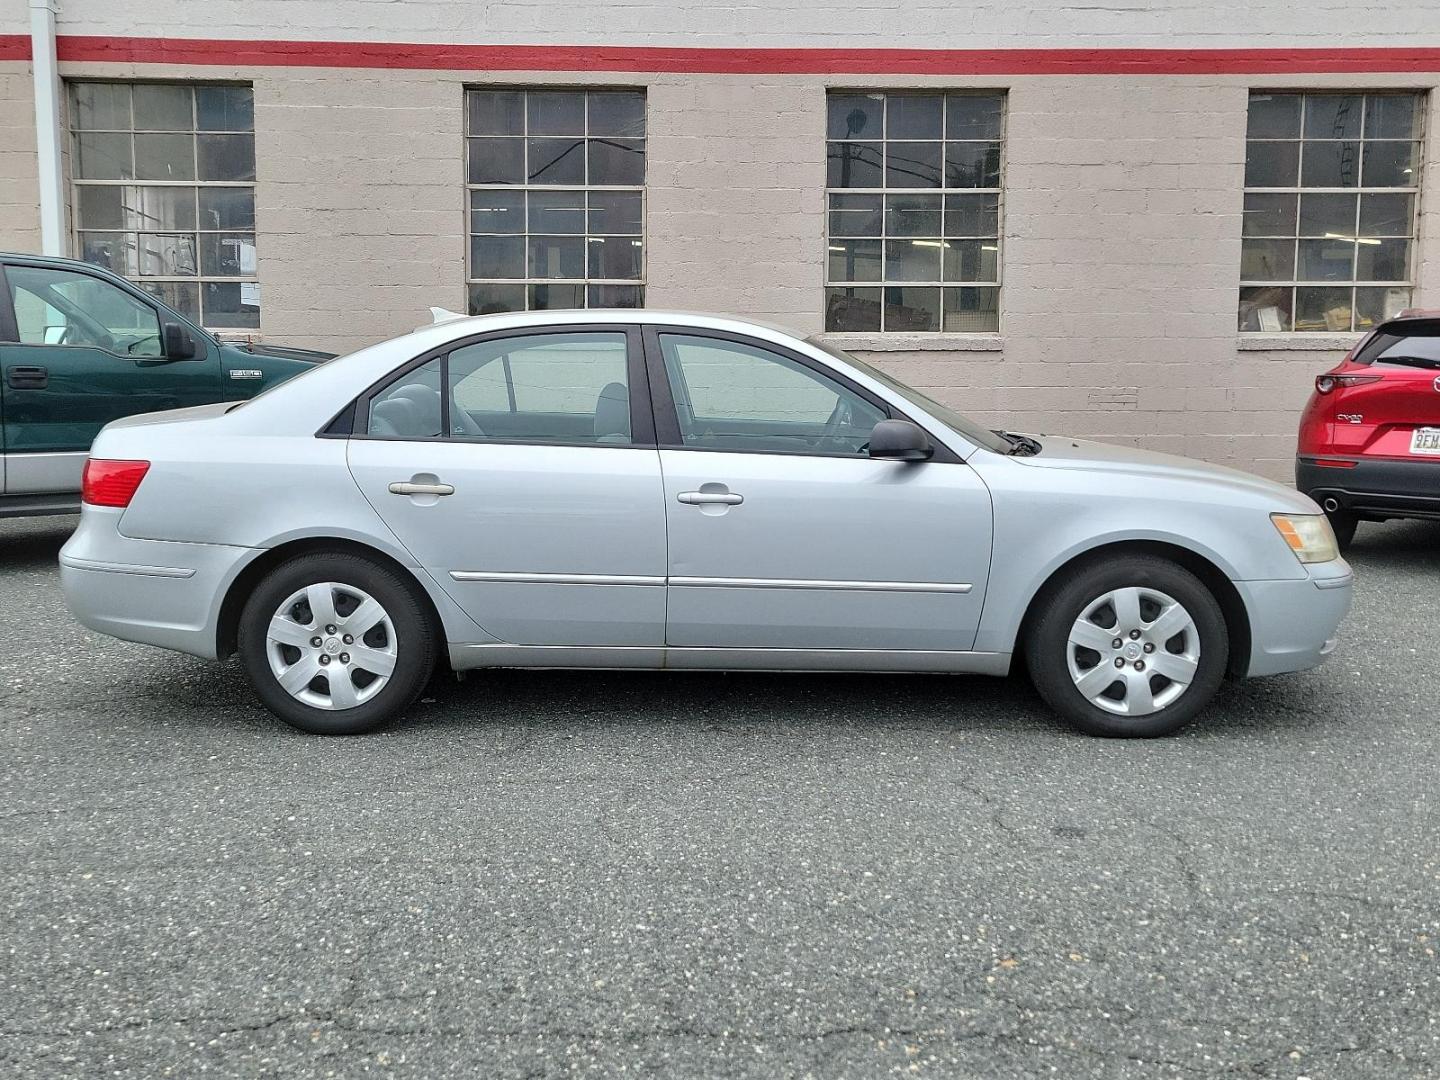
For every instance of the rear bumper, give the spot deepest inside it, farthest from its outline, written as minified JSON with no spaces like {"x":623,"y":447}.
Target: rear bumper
{"x":1293,"y":622}
{"x":1377,"y":486}
{"x":154,"y":592}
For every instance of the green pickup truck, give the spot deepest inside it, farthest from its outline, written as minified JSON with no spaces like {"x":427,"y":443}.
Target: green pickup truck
{"x":79,"y":347}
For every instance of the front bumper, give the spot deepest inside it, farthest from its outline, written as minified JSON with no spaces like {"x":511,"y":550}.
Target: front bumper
{"x":1374,"y":486}
{"x":151,"y":591}
{"x":1293,"y":622}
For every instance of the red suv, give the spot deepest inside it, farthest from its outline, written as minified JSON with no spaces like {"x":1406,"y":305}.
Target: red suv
{"x":1370,"y":436}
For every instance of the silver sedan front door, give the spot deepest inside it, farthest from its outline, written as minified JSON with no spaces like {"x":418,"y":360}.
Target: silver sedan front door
{"x":784,"y":533}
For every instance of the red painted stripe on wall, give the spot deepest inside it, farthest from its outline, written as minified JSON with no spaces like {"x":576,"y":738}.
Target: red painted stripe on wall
{"x":581,"y":58}
{"x":14,"y":47}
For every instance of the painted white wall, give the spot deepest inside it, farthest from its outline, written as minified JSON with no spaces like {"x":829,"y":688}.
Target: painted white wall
{"x":777,"y":23}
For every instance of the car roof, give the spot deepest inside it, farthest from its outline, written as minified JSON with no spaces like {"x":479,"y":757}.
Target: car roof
{"x":620,"y":315}
{"x":1409,"y":321}
{"x":59,"y":260}
{"x":448,"y":327}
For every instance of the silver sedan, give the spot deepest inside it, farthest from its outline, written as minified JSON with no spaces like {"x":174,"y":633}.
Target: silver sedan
{"x":628,"y":489}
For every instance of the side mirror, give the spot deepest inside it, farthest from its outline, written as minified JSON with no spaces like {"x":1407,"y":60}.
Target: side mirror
{"x":179,"y":342}
{"x":899,"y":440}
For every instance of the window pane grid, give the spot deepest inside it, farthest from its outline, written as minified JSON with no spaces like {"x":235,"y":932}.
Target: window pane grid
{"x":1331,"y":198}
{"x":905,"y":254}
{"x":145,"y":157}
{"x":555,"y":183}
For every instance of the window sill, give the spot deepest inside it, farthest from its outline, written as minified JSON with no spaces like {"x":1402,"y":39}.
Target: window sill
{"x":1297,"y":342}
{"x":916,"y":342}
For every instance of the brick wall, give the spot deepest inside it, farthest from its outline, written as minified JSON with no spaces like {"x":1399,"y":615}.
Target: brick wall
{"x":19,"y":185}
{"x":736,"y":181}
{"x":774,"y":23}
{"x":359,"y":204}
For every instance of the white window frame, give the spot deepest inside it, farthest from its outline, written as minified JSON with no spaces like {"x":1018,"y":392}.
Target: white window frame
{"x":942,"y":191}
{"x":143,"y":281}
{"x":1295,"y":282}
{"x":527,"y":282}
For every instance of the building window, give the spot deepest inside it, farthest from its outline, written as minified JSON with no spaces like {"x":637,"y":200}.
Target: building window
{"x":556,"y":184}
{"x":913,"y":192}
{"x":164,"y":192}
{"x":1331,"y":186}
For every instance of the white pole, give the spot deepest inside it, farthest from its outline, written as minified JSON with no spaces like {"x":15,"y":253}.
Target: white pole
{"x":47,"y":126}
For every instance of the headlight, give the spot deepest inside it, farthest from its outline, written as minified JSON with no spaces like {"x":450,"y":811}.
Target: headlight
{"x":1309,"y":536}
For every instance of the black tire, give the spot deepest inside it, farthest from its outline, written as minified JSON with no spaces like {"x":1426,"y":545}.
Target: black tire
{"x":1344,"y":526}
{"x":415,"y":642}
{"x":1047,"y":644}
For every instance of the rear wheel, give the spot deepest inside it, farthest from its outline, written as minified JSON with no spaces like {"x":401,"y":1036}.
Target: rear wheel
{"x":336,"y":644}
{"x":1134,"y":647}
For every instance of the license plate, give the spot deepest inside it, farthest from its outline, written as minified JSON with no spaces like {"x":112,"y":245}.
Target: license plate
{"x":1425,"y":440}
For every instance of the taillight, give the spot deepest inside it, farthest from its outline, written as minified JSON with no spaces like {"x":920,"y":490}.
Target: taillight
{"x":1325,"y":383}
{"x":107,"y":482}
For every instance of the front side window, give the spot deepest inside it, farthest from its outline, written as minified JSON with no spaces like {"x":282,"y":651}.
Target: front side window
{"x":164,"y":192}
{"x":913,"y":192}
{"x":556,"y":183}
{"x":538,"y":388}
{"x":60,"y":307}
{"x":731,"y":395}
{"x":1331,"y":186}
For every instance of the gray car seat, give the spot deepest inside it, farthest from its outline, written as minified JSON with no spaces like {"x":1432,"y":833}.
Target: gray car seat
{"x":612,"y":414}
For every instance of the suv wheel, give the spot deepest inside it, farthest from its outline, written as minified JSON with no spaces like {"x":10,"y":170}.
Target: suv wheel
{"x":336,"y":644}
{"x":1133,"y":647}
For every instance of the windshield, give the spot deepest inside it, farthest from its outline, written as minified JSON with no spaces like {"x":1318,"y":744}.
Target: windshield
{"x":1414,"y":344}
{"x":963,"y":424}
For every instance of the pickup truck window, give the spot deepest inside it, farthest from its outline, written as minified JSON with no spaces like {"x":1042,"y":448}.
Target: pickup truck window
{"x":60,"y":307}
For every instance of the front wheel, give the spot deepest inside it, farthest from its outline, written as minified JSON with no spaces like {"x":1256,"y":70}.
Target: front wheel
{"x":336,"y":644}
{"x":1133,"y":647}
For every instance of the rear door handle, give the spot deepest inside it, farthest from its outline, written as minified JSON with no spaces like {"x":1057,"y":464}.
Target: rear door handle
{"x":408,"y":487}
{"x":704,"y":498}
{"x":28,"y":378}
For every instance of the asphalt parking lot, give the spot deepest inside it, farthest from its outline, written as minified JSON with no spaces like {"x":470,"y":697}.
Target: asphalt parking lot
{"x":557,"y":874}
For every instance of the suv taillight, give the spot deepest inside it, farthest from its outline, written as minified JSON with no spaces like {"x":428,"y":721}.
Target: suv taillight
{"x":1325,"y":383}
{"x":107,"y":482}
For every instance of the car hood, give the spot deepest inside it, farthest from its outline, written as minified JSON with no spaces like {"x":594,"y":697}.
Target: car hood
{"x":287,"y":352}
{"x":1082,"y":455}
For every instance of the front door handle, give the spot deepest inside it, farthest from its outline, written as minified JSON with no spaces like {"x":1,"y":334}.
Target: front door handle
{"x":24,"y":377}
{"x":705,"y":498}
{"x":409,"y":487}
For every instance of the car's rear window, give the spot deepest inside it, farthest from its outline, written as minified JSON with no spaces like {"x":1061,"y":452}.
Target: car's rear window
{"x":1417,"y":345}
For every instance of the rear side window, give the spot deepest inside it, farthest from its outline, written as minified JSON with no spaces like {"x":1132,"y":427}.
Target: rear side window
{"x":410,"y":407}
{"x":541,"y":388}
{"x":1417,"y":346}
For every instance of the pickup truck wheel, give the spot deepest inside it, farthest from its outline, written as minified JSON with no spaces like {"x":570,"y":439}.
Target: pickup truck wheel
{"x":335,"y":644}
{"x":1133,"y":647}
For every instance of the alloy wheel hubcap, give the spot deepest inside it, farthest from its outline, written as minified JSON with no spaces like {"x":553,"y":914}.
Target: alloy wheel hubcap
{"x":331,"y":646}
{"x":1133,"y":651}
